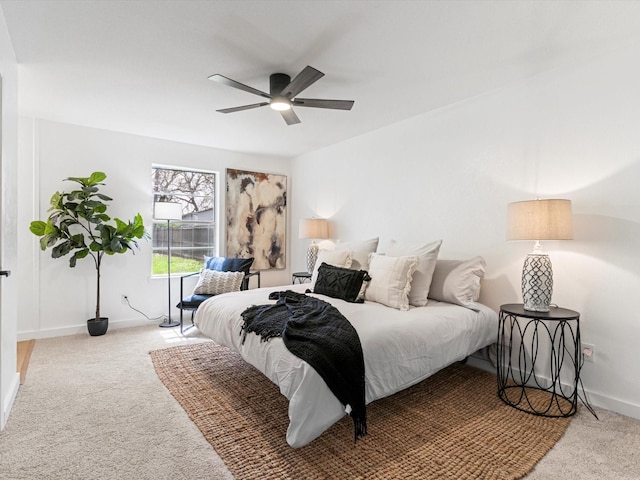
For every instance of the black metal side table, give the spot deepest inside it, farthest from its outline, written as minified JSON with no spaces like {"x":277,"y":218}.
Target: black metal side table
{"x":550,"y":341}
{"x":300,"y":277}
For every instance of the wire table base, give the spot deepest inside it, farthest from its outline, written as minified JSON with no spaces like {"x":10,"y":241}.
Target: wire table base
{"x":539,"y":361}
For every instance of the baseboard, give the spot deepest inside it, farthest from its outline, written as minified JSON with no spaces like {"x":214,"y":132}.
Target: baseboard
{"x":613,"y":404}
{"x":481,"y":362}
{"x":78,"y":329}
{"x":596,"y":399}
{"x":8,"y":401}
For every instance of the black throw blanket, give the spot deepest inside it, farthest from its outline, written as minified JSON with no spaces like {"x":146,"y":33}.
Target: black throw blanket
{"x":319,"y":334}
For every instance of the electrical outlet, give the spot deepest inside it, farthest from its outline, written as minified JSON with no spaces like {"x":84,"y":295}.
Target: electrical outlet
{"x":124,"y":299}
{"x":588,"y":352}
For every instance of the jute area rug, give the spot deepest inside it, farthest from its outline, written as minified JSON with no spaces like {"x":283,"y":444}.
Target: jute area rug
{"x":450,"y":426}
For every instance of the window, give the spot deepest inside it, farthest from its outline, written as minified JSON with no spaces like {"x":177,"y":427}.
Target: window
{"x":192,"y":236}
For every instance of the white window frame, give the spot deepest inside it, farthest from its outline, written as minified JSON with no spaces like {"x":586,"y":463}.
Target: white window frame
{"x":179,"y":197}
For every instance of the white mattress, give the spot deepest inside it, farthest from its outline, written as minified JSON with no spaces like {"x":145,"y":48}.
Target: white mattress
{"x":400,"y":349}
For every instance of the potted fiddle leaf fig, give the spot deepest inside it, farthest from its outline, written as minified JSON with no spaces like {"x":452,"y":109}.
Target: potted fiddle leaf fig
{"x":79,"y":225}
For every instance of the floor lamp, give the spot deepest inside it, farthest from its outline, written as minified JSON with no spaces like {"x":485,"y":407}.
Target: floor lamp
{"x":168,"y":211}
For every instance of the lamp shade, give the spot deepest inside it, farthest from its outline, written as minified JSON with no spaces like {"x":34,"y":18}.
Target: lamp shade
{"x":167,"y":211}
{"x":314,"y":228}
{"x":540,"y":220}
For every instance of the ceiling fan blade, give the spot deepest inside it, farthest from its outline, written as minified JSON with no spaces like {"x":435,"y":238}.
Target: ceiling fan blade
{"x":290,"y":116}
{"x":241,"y":86}
{"x":318,"y":103}
{"x":304,"y":79}
{"x":244,"y":107}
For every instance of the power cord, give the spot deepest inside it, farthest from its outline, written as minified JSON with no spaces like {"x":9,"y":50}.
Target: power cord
{"x":583,"y":397}
{"x":155,"y":319}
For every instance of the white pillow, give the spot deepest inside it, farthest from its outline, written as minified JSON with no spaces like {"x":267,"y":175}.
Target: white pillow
{"x":427,"y":254}
{"x":360,"y":252}
{"x":457,"y":281}
{"x":390,"y":280}
{"x":336,"y":258}
{"x":213,"y":282}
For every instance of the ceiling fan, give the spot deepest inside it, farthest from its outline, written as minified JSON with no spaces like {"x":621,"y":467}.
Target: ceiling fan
{"x":282,"y":94}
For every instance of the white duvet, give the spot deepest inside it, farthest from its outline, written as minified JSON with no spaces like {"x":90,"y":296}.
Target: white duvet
{"x":400,"y":349}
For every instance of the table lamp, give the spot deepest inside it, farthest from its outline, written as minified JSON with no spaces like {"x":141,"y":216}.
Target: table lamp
{"x":315,"y":229}
{"x":538,"y":220}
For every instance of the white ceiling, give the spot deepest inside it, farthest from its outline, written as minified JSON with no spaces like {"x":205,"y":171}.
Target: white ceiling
{"x":141,"y":66}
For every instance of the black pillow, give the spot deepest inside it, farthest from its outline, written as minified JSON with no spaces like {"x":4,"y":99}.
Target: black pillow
{"x":343,"y":283}
{"x":223,"y":264}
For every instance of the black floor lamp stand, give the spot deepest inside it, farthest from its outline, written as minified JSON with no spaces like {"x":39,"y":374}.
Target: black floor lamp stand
{"x":169,"y":211}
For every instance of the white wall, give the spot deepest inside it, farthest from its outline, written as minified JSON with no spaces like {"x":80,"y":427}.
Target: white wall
{"x":9,"y":379}
{"x":58,"y":300}
{"x":449,"y":174}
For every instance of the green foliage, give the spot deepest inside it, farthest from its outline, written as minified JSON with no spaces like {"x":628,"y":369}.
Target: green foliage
{"x":79,"y":225}
{"x":178,"y":265}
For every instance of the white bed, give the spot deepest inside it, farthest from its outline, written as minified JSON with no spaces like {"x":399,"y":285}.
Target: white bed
{"x":401,"y":348}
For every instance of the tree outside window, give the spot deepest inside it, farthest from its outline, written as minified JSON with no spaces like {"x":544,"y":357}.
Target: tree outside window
{"x":193,"y":237}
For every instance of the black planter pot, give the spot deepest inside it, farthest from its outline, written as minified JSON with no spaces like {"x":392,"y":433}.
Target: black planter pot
{"x":98,"y":327}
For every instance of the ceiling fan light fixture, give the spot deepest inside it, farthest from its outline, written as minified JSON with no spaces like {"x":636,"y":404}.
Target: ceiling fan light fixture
{"x":283,"y":94}
{"x":281,"y":104}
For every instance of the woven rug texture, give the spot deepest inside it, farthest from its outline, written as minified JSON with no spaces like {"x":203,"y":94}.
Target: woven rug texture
{"x":450,"y":426}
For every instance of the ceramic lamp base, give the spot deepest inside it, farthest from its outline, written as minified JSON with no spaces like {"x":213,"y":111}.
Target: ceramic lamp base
{"x":537,"y":282}
{"x":312,"y":257}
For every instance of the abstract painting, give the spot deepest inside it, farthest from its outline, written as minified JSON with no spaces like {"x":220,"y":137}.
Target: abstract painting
{"x":256,"y":205}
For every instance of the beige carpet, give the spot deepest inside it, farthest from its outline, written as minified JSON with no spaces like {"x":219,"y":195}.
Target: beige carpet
{"x":92,"y":408}
{"x":452,"y":426}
